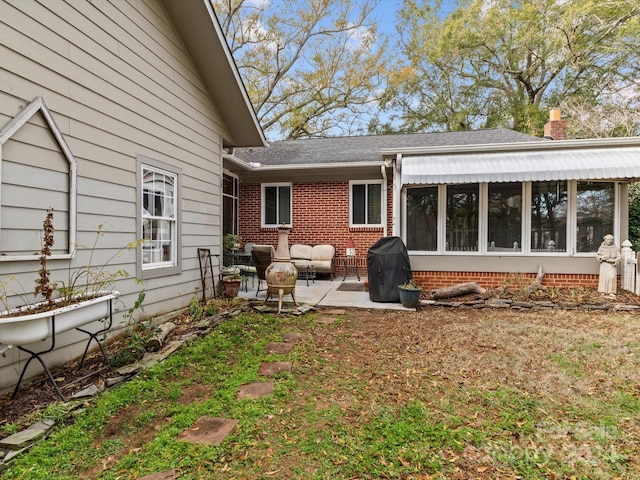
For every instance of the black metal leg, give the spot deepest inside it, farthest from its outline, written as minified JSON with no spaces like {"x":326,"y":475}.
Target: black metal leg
{"x":94,"y":335}
{"x":36,"y":355}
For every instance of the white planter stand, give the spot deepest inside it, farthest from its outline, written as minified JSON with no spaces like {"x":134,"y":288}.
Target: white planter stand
{"x":18,"y":331}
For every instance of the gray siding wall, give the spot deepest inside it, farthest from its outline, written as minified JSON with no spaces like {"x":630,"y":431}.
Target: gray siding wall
{"x":119,"y":84}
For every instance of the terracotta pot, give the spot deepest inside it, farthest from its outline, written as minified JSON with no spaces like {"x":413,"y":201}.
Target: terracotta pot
{"x":231,"y":288}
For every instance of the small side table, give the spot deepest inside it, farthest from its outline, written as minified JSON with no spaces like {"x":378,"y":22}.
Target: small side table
{"x":307,"y":273}
{"x":350,"y":267}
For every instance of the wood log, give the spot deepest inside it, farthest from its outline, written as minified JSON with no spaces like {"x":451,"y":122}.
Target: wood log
{"x":457,"y":290}
{"x":155,"y":342}
{"x":537,"y":284}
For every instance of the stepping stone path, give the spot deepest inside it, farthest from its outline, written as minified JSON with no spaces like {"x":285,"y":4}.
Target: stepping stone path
{"x":279,"y":347}
{"x":273,"y":368}
{"x":209,"y":430}
{"x":255,"y":390}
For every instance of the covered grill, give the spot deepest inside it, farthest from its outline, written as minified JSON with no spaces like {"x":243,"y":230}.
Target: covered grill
{"x":388,"y":266}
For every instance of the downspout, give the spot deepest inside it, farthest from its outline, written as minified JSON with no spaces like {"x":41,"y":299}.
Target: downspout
{"x":397,"y":189}
{"x":383,"y":170}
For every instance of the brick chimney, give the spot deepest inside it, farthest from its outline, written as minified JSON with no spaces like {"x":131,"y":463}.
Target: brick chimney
{"x":555,"y":128}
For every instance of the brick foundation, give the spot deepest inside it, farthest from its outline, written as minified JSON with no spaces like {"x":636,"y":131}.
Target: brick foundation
{"x":433,"y":280}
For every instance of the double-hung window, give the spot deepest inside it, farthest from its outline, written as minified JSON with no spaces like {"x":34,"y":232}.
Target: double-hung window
{"x":276,"y":204}
{"x":366,"y":204}
{"x":159,"y":217}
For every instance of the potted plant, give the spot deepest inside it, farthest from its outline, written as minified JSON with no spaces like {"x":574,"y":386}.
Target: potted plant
{"x":231,"y":283}
{"x":86,"y":296}
{"x":232,"y":242}
{"x":409,"y":294}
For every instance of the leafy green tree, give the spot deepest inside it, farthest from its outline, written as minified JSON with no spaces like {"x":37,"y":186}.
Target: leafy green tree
{"x":312,"y":68}
{"x":506,"y":63}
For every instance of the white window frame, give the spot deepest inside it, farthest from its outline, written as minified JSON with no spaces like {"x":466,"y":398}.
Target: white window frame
{"x":382,"y":203}
{"x":525,"y":248}
{"x":159,"y":268}
{"x":263,"y":209}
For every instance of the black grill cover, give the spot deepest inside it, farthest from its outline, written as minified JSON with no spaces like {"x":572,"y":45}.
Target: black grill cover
{"x":387,"y":267}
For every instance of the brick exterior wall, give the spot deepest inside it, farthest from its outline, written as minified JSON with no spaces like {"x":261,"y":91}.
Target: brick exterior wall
{"x":320,"y":215}
{"x":433,"y":280}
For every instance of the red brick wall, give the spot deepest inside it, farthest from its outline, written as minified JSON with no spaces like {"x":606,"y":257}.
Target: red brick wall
{"x":433,"y":280}
{"x":320,"y":215}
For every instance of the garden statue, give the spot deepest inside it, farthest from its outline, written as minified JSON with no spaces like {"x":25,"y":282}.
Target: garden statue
{"x":609,"y":256}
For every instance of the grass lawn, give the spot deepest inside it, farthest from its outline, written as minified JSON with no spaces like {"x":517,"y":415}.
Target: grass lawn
{"x":439,"y":393}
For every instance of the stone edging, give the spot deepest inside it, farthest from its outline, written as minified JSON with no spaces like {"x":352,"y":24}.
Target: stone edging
{"x":533,"y":305}
{"x":19,"y":442}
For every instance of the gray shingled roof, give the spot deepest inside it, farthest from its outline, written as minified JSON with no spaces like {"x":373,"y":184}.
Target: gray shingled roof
{"x":367,"y":148}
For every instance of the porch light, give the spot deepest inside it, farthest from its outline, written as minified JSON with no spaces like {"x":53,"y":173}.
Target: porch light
{"x":351,"y":248}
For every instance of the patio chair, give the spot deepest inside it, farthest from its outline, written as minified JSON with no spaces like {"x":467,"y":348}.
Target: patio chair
{"x":262,"y":256}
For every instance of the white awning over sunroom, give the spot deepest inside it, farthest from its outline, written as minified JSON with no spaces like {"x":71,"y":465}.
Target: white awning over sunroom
{"x":521,"y":166}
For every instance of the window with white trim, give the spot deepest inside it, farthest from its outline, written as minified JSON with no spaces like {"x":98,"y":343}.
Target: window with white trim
{"x":551,"y":217}
{"x":365,"y":203}
{"x":276,"y":204}
{"x":159,"y":217}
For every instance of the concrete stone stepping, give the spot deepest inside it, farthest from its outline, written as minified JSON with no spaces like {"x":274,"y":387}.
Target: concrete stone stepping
{"x":293,"y":337}
{"x":273,"y":368}
{"x":279,"y":347}
{"x":326,"y":320}
{"x":255,"y":390}
{"x":166,"y":475}
{"x":208,"y":430}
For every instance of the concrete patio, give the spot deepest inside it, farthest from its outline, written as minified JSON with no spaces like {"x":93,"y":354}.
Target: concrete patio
{"x":348,"y":293}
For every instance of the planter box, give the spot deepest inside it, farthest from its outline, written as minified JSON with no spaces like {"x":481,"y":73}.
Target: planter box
{"x":34,"y":327}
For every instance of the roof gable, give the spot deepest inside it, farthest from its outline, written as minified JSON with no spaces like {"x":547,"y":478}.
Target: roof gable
{"x":199,"y":29}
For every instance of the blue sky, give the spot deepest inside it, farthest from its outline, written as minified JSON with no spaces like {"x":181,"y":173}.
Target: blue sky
{"x":386,"y":14}
{"x":386,"y":10}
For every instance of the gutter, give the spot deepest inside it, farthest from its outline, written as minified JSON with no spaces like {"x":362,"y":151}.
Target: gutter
{"x":519,"y":146}
{"x":397,"y":189}
{"x":254,"y":166}
{"x":383,"y":170}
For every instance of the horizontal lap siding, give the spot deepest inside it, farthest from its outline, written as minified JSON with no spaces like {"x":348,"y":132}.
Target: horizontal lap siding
{"x":118,"y":84}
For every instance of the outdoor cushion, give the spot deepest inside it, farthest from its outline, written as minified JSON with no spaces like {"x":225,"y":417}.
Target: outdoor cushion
{"x":300,"y":252}
{"x":320,"y":257}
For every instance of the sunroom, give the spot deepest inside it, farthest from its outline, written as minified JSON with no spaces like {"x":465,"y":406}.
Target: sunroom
{"x":490,"y":211}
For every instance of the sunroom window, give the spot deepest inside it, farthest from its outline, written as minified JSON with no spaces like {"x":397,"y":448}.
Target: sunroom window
{"x":595,"y":213}
{"x":462,"y":217}
{"x":505,"y":216}
{"x":549,"y":216}
{"x":422,"y":218}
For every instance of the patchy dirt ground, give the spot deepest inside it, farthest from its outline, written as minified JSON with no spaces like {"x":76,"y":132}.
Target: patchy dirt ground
{"x":563,"y":356}
{"x":462,"y":346}
{"x":35,"y":394}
